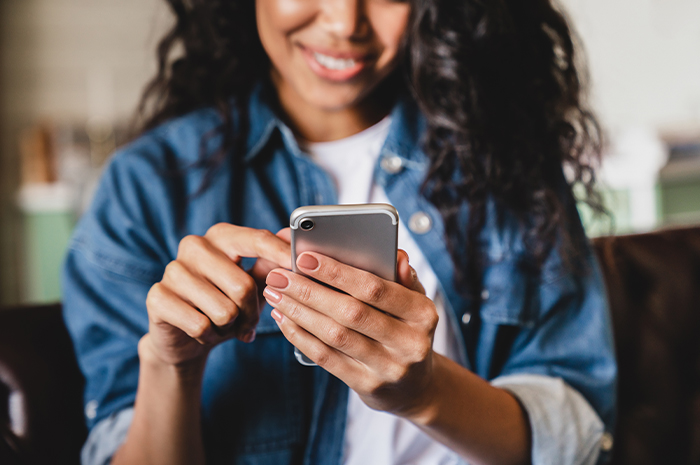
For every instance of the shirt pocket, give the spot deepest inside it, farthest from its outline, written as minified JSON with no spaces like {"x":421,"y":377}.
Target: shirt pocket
{"x":507,"y":294}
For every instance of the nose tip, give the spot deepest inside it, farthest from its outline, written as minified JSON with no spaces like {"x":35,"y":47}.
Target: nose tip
{"x":346,"y":19}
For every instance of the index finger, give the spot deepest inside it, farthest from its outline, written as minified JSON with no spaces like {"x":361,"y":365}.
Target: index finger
{"x":239,"y":241}
{"x":388,"y":296}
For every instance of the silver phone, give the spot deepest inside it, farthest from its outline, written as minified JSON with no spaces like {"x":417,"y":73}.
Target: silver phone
{"x":364,"y":236}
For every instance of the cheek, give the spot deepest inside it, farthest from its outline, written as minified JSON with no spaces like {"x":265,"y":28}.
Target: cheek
{"x":389,"y":24}
{"x":277,"y":19}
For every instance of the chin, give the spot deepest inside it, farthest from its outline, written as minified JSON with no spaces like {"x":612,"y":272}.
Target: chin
{"x":334,"y":101}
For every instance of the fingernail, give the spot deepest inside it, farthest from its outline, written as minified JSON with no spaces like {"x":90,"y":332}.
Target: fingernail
{"x":277,"y":280}
{"x":250,"y":337}
{"x":276,"y":315}
{"x":307,"y":261}
{"x":272,"y":296}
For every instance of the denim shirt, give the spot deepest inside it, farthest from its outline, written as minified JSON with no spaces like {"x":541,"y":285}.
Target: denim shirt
{"x":259,"y":406}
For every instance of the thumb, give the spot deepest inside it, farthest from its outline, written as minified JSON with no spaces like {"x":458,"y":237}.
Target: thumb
{"x":407,"y":276}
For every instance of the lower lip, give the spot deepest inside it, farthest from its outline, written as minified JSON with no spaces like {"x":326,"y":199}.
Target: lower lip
{"x":338,"y":75}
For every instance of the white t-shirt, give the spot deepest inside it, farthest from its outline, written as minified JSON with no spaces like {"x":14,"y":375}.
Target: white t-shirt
{"x":373,"y":437}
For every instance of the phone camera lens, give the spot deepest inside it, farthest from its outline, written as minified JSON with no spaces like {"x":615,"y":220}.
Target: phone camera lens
{"x":307,"y":225}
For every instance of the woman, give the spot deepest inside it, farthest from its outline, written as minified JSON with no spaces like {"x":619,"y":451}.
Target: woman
{"x":494,"y":346}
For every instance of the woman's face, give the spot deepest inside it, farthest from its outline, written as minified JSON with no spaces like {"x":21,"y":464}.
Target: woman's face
{"x":331,"y":53}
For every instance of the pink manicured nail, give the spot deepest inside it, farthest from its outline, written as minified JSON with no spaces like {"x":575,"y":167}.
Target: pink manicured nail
{"x":307,"y":261}
{"x":277,"y":280}
{"x":272,"y":296}
{"x":276,"y":315}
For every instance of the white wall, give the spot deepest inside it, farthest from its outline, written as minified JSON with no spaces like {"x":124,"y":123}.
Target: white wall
{"x":59,"y":56}
{"x":644,"y":59}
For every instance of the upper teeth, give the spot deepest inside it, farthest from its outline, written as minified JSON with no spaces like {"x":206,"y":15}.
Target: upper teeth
{"x":334,"y":63}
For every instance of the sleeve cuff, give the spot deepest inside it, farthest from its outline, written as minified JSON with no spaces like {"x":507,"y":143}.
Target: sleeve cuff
{"x":106,"y":437}
{"x":565,"y":428}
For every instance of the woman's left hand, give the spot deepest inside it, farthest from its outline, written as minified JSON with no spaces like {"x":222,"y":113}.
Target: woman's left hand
{"x":375,"y":335}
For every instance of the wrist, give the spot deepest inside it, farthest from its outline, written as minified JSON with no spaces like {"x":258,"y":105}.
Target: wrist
{"x":426,"y":407}
{"x":189,"y":372}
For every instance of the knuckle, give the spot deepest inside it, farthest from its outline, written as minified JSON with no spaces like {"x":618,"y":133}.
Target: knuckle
{"x":173,"y":270}
{"x":333,"y":273}
{"x":420,"y":350}
{"x":432,"y":319}
{"x":355,"y":315}
{"x":249,"y":293}
{"x":304,"y":292}
{"x":294,"y":311}
{"x":244,"y":288}
{"x":374,"y":290}
{"x":396,"y":373}
{"x":291,"y":334}
{"x":338,"y":336}
{"x":217,"y":230}
{"x":155,"y":293}
{"x":227,"y":313}
{"x":322,"y":356}
{"x":155,"y":296}
{"x":424,"y":351}
{"x":262,"y":236}
{"x":198,"y":328}
{"x":188,"y":243}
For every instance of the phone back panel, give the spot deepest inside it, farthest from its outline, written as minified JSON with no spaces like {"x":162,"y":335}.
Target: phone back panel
{"x":361,"y":237}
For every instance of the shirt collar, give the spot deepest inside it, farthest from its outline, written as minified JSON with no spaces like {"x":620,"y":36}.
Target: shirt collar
{"x":404,"y":139}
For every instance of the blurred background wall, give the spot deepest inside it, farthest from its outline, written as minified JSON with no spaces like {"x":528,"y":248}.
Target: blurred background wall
{"x":71,"y":72}
{"x":65,"y":65}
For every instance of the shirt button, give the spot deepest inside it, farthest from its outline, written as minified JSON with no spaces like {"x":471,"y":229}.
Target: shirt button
{"x":606,"y":442}
{"x":485,"y":294}
{"x":420,"y":223}
{"x":91,"y":409}
{"x":466,"y":318}
{"x":392,"y":164}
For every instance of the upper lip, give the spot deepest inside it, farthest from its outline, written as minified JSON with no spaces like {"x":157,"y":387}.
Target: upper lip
{"x":357,"y":56}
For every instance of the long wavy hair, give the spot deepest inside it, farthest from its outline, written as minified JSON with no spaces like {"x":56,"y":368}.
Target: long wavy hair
{"x":499,"y":82}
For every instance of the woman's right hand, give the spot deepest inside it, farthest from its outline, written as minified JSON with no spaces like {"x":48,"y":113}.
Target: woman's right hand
{"x":205,"y":297}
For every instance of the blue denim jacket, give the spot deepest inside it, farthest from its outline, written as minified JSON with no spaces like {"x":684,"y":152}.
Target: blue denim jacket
{"x":259,"y":405}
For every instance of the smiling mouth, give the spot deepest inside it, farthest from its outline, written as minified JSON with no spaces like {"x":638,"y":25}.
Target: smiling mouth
{"x":332,"y":63}
{"x":336,"y":66}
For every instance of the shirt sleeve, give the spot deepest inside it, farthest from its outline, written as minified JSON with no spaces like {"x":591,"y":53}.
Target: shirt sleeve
{"x":565,"y":429}
{"x":106,"y":438}
{"x":117,"y":253}
{"x":550,"y":329}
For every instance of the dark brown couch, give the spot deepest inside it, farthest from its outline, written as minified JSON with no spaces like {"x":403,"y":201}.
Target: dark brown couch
{"x":41,"y":413}
{"x":654,"y":287}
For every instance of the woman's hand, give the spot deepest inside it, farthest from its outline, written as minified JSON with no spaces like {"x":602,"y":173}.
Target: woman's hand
{"x":377,"y":337}
{"x":205,"y":297}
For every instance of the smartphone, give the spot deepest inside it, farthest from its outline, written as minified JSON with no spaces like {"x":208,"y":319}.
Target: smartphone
{"x":364,"y":236}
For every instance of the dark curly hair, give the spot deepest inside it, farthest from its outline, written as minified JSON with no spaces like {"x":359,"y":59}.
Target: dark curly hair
{"x":499,"y":82}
